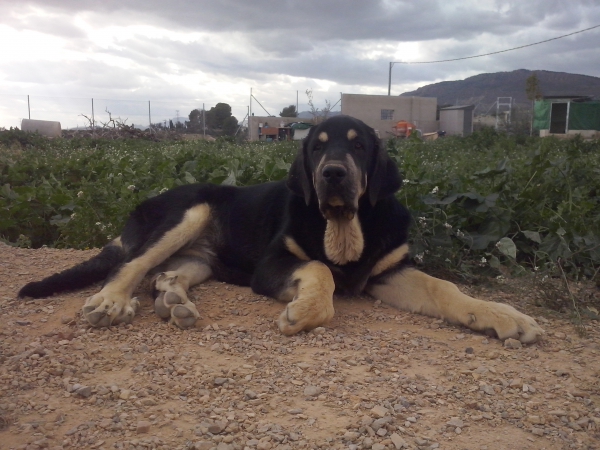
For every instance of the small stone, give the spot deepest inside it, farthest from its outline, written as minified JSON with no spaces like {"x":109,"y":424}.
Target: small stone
{"x":219,"y":381}
{"x":512,"y":344}
{"x":84,"y":391}
{"x":397,"y":441}
{"x":537,"y":431}
{"x":203,"y":445}
{"x":378,"y":447}
{"x":469,"y":350}
{"x":379,"y":411}
{"x":312,"y":391}
{"x":351,"y":436}
{"x":217,"y":427}
{"x":319,"y":331}
{"x":455,"y":422}
{"x":250,"y":394}
{"x":142,"y":427}
{"x":125,"y":394}
{"x":379,"y":423}
{"x":489,"y":390}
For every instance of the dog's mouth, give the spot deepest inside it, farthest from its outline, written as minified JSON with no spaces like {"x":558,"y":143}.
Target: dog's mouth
{"x":335,"y":208}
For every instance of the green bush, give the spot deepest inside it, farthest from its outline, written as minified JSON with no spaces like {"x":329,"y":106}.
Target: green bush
{"x":490,"y":199}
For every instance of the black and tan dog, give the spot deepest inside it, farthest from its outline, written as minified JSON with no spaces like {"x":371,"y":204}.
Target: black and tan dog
{"x":334,"y":224}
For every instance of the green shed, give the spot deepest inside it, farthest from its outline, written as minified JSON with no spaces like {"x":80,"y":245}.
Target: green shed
{"x":567,"y":115}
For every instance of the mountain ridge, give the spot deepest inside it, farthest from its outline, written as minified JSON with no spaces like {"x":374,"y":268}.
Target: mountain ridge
{"x":483,"y":89}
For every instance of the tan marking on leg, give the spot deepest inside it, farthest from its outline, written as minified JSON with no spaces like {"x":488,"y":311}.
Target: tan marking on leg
{"x":351,"y":134}
{"x":295,"y":249}
{"x":343,"y":241}
{"x":414,"y":291}
{"x":323,"y":137}
{"x":194,"y":221}
{"x":312,"y":304}
{"x":389,"y":260}
{"x":114,"y":302}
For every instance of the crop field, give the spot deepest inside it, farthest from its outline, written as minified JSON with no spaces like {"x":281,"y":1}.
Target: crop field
{"x":489,"y":204}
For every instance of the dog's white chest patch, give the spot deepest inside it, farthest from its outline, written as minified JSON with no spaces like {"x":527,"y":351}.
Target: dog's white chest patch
{"x":343,"y":241}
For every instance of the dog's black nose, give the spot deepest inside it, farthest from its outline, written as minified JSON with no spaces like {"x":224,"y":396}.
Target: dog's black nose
{"x":334,"y":173}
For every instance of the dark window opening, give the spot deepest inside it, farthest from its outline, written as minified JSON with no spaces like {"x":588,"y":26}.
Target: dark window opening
{"x":558,"y":118}
{"x":387,"y":114}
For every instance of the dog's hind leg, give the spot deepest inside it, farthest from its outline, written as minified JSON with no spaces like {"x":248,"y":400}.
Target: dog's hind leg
{"x":414,"y":291}
{"x":171,"y":300}
{"x":113,"y":304}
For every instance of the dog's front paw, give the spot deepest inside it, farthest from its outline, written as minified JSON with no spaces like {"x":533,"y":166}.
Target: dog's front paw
{"x":506,"y":322}
{"x":108,"y":308}
{"x":302,"y":314}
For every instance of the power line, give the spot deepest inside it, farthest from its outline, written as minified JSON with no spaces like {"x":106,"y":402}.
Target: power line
{"x":500,"y":51}
{"x":479,"y":56}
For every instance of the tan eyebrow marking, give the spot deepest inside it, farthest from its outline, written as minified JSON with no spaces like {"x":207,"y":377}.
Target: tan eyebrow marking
{"x":351,"y":134}
{"x":323,"y":137}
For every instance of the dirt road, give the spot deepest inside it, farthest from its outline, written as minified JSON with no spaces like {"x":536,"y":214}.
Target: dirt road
{"x":375,"y":378}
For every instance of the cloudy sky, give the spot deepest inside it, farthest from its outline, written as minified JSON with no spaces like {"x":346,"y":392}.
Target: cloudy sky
{"x":181,"y":54}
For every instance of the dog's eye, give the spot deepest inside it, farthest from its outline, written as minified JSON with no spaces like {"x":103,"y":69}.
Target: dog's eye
{"x":358,"y":145}
{"x":318,"y":148}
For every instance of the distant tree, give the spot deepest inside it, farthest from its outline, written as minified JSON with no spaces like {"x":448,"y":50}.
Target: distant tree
{"x":171,"y":126}
{"x":230,"y":125}
{"x":532,"y":87}
{"x":534,"y":92}
{"x":195,"y":122}
{"x":318,"y":115}
{"x":215,"y":117}
{"x":289,"y":111}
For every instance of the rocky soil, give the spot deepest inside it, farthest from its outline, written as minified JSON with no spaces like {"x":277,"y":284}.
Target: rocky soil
{"x":374,"y":378}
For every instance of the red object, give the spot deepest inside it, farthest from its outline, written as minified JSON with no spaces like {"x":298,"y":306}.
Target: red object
{"x":403,"y":128}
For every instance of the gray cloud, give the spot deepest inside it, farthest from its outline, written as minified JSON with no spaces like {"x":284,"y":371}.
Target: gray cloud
{"x":271,"y":45}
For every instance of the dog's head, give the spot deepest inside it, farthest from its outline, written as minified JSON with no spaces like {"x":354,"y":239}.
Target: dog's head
{"x":341,"y":160}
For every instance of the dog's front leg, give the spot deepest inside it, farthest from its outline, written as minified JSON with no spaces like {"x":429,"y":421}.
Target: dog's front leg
{"x":414,"y":291}
{"x":308,"y":287}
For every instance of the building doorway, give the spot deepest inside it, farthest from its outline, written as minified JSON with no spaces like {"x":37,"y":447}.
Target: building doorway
{"x":558,"y":118}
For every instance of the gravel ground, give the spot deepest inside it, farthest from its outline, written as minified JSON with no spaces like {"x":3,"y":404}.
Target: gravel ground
{"x":375,"y":378}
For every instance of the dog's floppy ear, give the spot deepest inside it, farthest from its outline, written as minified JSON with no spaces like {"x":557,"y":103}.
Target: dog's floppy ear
{"x":298,"y":179}
{"x":384,"y":177}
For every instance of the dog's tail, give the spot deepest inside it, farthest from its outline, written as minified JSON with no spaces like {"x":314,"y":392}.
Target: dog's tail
{"x":77,"y":277}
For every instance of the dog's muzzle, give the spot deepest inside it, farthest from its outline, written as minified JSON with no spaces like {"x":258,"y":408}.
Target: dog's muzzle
{"x":336,"y":191}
